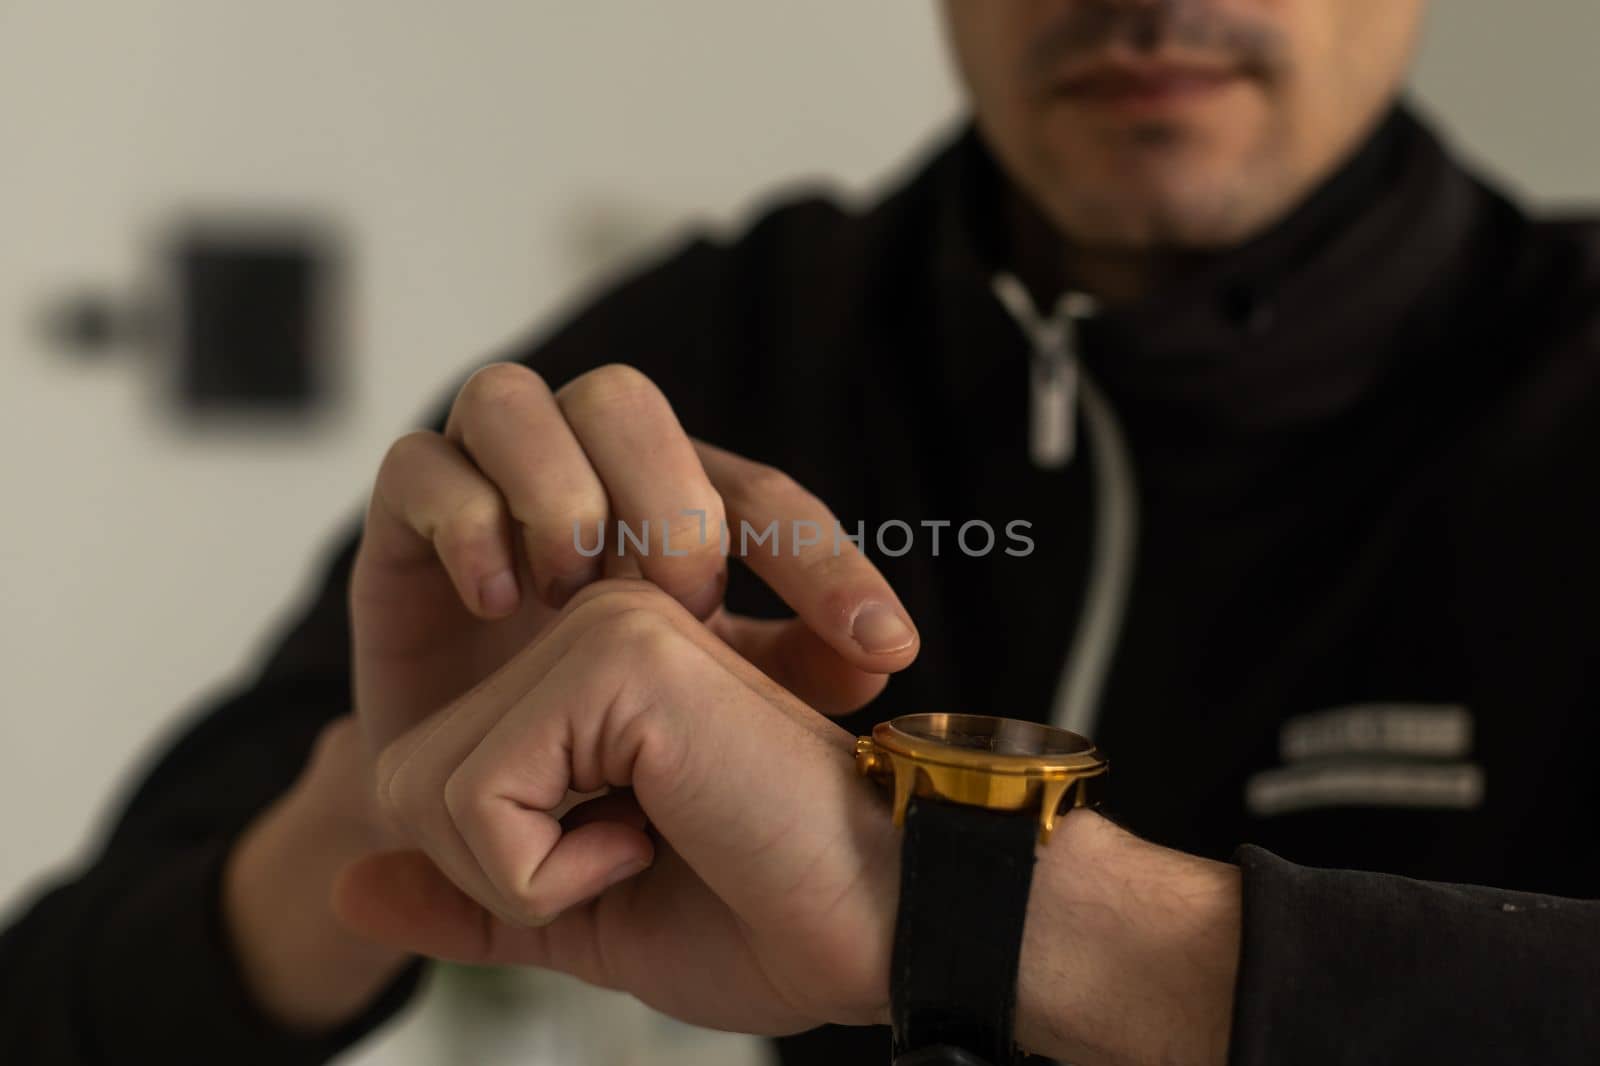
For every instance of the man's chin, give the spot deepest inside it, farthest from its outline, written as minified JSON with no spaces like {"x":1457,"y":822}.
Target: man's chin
{"x":1197,"y":180}
{"x":1142,"y":214}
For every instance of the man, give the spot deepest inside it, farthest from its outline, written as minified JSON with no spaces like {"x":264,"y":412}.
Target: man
{"x":1295,"y":417}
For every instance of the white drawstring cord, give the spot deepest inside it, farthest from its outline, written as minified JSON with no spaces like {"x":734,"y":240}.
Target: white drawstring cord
{"x":1058,"y":384}
{"x":1053,"y":370}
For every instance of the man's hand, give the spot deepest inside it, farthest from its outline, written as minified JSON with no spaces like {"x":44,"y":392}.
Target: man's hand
{"x":747,"y":880}
{"x":738,"y":874}
{"x":472,"y":548}
{"x":741,"y":875}
{"x":469,"y":546}
{"x":304,"y":968}
{"x":467,"y":554}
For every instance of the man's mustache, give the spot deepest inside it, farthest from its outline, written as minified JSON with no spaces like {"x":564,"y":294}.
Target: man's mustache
{"x":1196,"y":27}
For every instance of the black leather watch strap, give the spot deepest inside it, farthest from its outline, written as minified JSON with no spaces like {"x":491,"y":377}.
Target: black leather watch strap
{"x":964,"y":881}
{"x":939,"y":1055}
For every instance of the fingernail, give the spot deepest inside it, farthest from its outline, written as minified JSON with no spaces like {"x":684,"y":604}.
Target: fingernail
{"x":625,"y":871}
{"x":497,"y":595}
{"x":878,"y":628}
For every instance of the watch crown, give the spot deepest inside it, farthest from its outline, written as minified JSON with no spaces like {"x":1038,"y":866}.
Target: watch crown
{"x":866,"y":755}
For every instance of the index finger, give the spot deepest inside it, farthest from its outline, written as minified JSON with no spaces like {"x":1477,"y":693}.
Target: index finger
{"x":834,"y":589}
{"x":660,"y":496}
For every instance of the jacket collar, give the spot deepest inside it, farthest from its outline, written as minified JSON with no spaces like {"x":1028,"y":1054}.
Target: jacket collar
{"x":1293,"y":326}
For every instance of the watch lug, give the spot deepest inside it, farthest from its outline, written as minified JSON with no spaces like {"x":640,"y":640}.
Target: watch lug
{"x":1050,"y":796}
{"x":905,"y":780}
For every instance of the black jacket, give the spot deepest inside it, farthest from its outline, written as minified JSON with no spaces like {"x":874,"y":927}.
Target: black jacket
{"x":1359,"y":631}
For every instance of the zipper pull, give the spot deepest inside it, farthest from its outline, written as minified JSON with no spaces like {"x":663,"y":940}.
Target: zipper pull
{"x":1053,"y":410}
{"x":1052,"y":371}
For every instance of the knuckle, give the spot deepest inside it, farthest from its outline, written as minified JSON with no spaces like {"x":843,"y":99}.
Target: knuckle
{"x":758,"y":484}
{"x":614,"y":596}
{"x":473,"y":520}
{"x":338,"y":740}
{"x":610,"y":387}
{"x":476,"y":808}
{"x":404,"y":454}
{"x":464,"y":798}
{"x":394,"y":798}
{"x":553,"y":538}
{"x":534,"y":904}
{"x":497,"y":385}
{"x":638,"y":635}
{"x":838,"y":573}
{"x":470,"y":540}
{"x":688,"y":534}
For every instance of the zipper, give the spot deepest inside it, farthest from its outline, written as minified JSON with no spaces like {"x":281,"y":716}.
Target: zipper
{"x":1058,"y":388}
{"x":1052,"y":371}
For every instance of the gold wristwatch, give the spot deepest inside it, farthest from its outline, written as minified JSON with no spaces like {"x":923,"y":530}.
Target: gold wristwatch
{"x":975,"y":796}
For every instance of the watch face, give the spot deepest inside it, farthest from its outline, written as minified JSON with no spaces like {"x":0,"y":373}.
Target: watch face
{"x":999,"y":736}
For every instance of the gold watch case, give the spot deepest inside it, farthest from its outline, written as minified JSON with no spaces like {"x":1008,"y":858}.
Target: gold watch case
{"x":1002,"y":764}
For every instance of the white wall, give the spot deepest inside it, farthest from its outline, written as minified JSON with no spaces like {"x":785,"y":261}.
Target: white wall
{"x":467,"y":150}
{"x":461,"y":147}
{"x":1516,"y":85}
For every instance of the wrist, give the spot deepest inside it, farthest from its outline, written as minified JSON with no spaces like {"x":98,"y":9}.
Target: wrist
{"x":304,"y":969}
{"x":1130,"y":950}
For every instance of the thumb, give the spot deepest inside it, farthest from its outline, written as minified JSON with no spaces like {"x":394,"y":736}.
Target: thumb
{"x":402,"y":900}
{"x":790,"y":652}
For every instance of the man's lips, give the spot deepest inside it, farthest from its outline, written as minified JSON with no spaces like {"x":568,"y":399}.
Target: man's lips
{"x":1148,"y":86}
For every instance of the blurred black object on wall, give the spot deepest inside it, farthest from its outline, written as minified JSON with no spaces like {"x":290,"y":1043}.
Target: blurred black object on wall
{"x":253,"y":317}
{"x":240,"y":319}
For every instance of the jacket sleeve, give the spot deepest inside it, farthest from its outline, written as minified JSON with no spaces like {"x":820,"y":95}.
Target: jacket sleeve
{"x":126,"y":959}
{"x":1339,"y":966}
